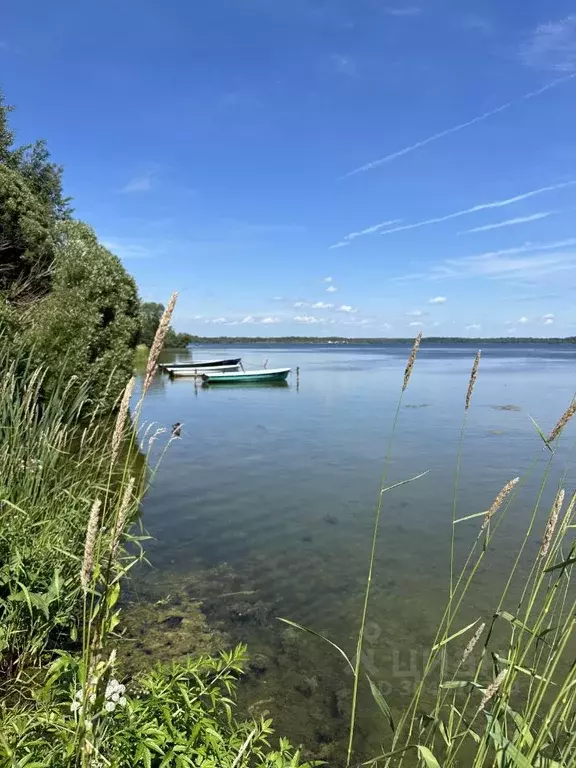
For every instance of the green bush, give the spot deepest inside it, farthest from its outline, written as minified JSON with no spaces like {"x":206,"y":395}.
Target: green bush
{"x":88,"y":325}
{"x":175,"y":716}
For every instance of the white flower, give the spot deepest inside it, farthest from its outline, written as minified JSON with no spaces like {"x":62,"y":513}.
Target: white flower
{"x":79,"y":694}
{"x":122,"y":701}
{"x":75,"y":706}
{"x":110,"y":706}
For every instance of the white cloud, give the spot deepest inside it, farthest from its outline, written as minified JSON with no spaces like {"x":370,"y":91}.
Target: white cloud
{"x":548,"y":316}
{"x":248,"y":320}
{"x":552,"y":46}
{"x":197,"y":317}
{"x":332,"y":289}
{"x":510,"y":263}
{"x":549,"y":321}
{"x":509,"y":222}
{"x":139,"y":184}
{"x":523,"y":320}
{"x":270,"y":320}
{"x":328,"y":280}
{"x":438,"y":300}
{"x":347,"y":308}
{"x":277,"y":298}
{"x":308,"y":319}
{"x":322,"y":305}
{"x":474,"y":327}
{"x":300,"y":304}
{"x":368,"y":231}
{"x":415,"y":313}
{"x":217,"y":321}
{"x":416,"y":324}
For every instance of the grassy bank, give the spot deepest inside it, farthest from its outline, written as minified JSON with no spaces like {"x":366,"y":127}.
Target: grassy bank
{"x":497,"y":691}
{"x":71,"y":486}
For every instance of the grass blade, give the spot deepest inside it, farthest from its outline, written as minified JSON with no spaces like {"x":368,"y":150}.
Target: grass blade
{"x":382,"y":703}
{"x":318,"y":634}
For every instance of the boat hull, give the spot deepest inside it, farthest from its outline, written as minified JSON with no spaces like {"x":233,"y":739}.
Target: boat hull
{"x":247,"y":377}
{"x":202,"y":364}
{"x":199,"y":372}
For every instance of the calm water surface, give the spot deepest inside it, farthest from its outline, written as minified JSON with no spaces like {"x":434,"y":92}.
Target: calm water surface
{"x":280,"y":484}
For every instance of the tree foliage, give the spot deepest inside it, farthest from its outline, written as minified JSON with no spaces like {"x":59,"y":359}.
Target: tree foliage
{"x":60,"y":290}
{"x":88,"y":325}
{"x":150,"y":314}
{"x":31,"y":204}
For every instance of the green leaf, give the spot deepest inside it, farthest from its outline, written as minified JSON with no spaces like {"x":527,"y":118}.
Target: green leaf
{"x":564,"y":564}
{"x":382,"y":703}
{"x":455,"y":635}
{"x":542,"y":435}
{"x":317,"y":634}
{"x":427,"y":756}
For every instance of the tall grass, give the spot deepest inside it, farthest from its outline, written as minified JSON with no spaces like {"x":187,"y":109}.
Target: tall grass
{"x":510,"y":699}
{"x":72,"y":480}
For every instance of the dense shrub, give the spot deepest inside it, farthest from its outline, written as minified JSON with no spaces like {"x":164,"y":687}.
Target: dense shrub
{"x":88,"y":325}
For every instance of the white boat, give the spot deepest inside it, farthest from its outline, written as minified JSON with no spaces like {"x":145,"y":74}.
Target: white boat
{"x":198,"y":372}
{"x":202,"y":364}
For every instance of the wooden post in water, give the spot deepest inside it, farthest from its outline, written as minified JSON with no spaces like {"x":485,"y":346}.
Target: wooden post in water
{"x":297,"y":378}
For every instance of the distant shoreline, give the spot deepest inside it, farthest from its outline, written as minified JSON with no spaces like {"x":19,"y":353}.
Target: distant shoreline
{"x":339,"y":341}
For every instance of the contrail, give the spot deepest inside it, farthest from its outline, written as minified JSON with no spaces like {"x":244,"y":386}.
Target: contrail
{"x":460,"y":127}
{"x":481,"y":207}
{"x":368,"y":231}
{"x":509,"y":222}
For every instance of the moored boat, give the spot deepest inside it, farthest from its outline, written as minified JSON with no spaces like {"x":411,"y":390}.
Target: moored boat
{"x":198,"y":372}
{"x":243,"y":377}
{"x":201,"y":364}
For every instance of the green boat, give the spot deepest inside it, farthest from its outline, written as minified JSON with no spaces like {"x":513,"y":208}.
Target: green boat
{"x":247,"y":377}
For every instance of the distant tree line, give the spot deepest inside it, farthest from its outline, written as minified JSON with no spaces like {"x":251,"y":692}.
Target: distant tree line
{"x":247,"y":340}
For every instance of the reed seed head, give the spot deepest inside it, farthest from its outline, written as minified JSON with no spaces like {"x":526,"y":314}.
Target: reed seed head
{"x":90,"y":545}
{"x":473,"y":377}
{"x":497,"y":503}
{"x":121,"y":419}
{"x":122,"y":516}
{"x":472,"y":644}
{"x":552,"y":522}
{"x":492,"y":690}
{"x":564,"y":419}
{"x":158,"y":343}
{"x":411,"y":361}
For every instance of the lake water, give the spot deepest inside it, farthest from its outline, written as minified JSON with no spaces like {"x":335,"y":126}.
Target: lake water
{"x":271,"y":492}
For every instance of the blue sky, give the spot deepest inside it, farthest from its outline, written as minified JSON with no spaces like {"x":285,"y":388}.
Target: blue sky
{"x":342,"y":167}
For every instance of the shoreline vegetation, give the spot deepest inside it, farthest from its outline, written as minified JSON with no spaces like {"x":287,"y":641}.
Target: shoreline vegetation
{"x":429,"y":340}
{"x":76,"y":460}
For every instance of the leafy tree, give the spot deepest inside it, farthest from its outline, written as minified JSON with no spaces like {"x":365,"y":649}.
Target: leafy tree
{"x":150,"y":314}
{"x":31,"y":204}
{"x":88,"y":325}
